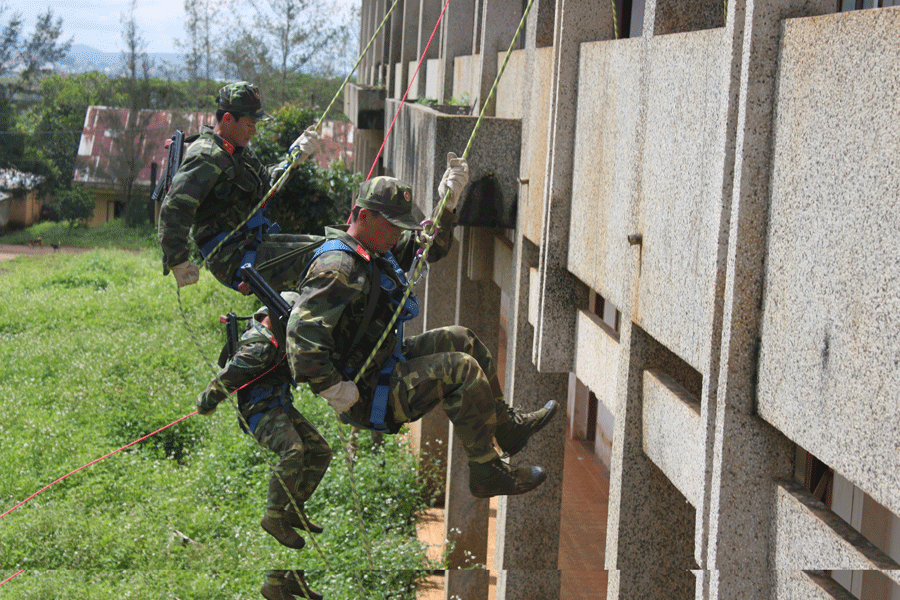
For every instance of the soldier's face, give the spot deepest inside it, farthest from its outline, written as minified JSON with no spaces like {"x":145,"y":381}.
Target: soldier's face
{"x":239,"y":131}
{"x":377,"y":233}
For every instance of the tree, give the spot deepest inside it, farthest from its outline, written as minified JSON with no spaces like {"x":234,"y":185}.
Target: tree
{"x":9,"y":39}
{"x":199,"y":47}
{"x":312,"y":198}
{"x":130,"y":127}
{"x":75,"y":205}
{"x":43,"y":47}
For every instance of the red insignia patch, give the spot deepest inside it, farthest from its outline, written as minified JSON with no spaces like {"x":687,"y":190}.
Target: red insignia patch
{"x":407,"y":197}
{"x":362,"y":252}
{"x":229,"y":147}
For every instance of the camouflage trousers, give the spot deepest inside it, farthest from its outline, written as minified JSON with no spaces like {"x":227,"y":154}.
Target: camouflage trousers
{"x":451,"y":366}
{"x":305,"y":456}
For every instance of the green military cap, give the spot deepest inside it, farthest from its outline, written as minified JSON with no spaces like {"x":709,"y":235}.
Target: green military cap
{"x":241,"y":97}
{"x":390,"y":197}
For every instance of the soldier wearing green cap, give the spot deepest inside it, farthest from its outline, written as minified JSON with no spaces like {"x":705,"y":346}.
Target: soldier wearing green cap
{"x":217,"y":186}
{"x":348,"y":298}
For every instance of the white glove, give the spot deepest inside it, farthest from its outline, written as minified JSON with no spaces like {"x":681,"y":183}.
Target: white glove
{"x":341,"y":396}
{"x":306,"y":144}
{"x":186,"y":273}
{"x":455,"y":179}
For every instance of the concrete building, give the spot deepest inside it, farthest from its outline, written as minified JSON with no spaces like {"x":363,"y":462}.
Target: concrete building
{"x":682,"y":218}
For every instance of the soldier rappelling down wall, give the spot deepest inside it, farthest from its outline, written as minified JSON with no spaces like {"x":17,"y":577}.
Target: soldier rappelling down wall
{"x":218,"y":186}
{"x":347,"y":300}
{"x":254,"y":366}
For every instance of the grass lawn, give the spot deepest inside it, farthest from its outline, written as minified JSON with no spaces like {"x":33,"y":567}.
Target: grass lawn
{"x":93,"y":355}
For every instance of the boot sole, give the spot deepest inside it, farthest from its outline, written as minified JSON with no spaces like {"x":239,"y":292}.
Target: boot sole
{"x":552,"y":406}
{"x":541,"y":478}
{"x":302,"y":543}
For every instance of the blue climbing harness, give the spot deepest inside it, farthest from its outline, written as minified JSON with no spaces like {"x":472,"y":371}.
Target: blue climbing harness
{"x":257,"y":395}
{"x":257,"y":221}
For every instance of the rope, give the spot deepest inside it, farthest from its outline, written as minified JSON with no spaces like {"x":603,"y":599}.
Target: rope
{"x":11,"y":576}
{"x":274,"y":190}
{"x":406,"y":93}
{"x":616,"y":19}
{"x":432,"y":226}
{"x":96,"y":460}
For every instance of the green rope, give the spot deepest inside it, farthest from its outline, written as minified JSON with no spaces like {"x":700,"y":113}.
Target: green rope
{"x":430,"y":233}
{"x":616,"y":19}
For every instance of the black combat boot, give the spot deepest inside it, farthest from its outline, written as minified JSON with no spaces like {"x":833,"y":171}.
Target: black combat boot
{"x":299,"y":519}
{"x":512,"y":435}
{"x":496,"y":478}
{"x":281,"y":530}
{"x":296,"y":584}
{"x":275,"y":587}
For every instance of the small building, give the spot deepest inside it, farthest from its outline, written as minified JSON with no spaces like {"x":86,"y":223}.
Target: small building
{"x":21,"y":198}
{"x":117,"y":142}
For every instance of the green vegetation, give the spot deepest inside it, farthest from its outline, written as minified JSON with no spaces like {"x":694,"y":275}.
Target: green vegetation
{"x":313,"y":197}
{"x":109,"y":235}
{"x":95,"y":354}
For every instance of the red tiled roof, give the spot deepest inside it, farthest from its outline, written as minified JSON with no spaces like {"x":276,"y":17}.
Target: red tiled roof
{"x":103,"y":154}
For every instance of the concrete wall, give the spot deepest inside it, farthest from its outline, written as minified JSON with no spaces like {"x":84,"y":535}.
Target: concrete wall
{"x":728,"y":181}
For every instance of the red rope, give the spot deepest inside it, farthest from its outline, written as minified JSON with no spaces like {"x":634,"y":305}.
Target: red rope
{"x":411,"y":80}
{"x":11,"y":576}
{"x":46,"y":487}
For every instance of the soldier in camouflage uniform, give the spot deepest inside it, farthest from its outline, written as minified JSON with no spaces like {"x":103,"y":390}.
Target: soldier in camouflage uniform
{"x":259,"y":373}
{"x":448,"y":365}
{"x":217,"y":186}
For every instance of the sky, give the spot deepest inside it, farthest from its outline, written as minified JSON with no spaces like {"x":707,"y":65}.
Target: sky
{"x":98,"y":23}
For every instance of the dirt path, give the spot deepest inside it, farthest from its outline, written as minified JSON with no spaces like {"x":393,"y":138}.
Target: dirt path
{"x":10,"y":251}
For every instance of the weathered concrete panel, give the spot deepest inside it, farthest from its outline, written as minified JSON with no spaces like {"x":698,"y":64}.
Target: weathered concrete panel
{"x":830,"y":343}
{"x":509,"y":101}
{"x":417,"y":153}
{"x":597,"y":358}
{"x":466,"y":77}
{"x":681,"y":191}
{"x":534,"y":155}
{"x":671,"y":428}
{"x":604,"y":179}
{"x":810,"y":536}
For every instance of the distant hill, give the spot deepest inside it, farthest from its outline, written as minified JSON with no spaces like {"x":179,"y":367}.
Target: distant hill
{"x":83,"y":58}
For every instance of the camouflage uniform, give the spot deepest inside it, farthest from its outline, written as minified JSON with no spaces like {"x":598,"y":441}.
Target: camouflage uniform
{"x":448,"y":364}
{"x":215,"y":189}
{"x":266,"y":406}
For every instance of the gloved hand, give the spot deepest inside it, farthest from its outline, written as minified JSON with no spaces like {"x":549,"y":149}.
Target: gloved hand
{"x":341,"y":396}
{"x":455,"y":179}
{"x":186,"y":273}
{"x":307,"y":143}
{"x":206,"y":403}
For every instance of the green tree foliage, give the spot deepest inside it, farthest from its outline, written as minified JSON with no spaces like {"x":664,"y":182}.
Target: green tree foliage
{"x":9,"y":39}
{"x":44,"y":46}
{"x":75,"y":205}
{"x":313,"y":197}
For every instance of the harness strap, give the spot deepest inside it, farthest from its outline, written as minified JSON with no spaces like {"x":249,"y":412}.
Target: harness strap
{"x":257,"y":221}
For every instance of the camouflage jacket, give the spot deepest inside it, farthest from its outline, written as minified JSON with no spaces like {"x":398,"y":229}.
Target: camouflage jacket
{"x":256,"y":354}
{"x":213,"y":191}
{"x":333,"y":299}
